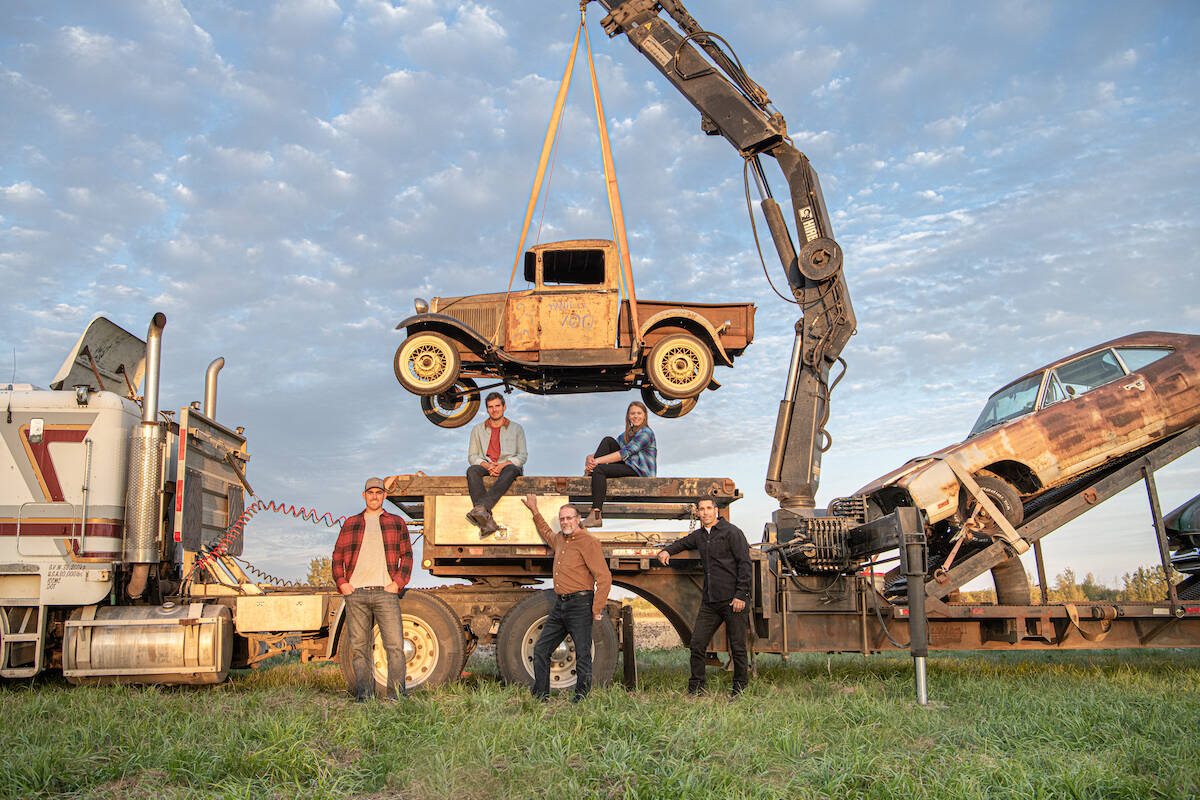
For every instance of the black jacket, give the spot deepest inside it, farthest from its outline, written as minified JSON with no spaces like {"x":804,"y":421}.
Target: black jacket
{"x":725,"y":557}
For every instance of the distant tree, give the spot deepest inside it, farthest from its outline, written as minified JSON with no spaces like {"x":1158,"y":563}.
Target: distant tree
{"x":1093,"y":590}
{"x":1146,"y":584}
{"x":1066,"y":590}
{"x":320,"y":572}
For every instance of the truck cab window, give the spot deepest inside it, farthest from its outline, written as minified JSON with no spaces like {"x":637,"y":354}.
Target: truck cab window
{"x":573,"y":266}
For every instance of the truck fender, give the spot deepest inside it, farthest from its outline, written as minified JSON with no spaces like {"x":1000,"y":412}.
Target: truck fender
{"x":444,"y":323}
{"x":337,"y":618}
{"x":459,"y":331}
{"x":693,"y":322}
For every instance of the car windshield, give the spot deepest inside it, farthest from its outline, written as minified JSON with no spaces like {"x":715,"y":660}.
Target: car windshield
{"x":1010,"y":402}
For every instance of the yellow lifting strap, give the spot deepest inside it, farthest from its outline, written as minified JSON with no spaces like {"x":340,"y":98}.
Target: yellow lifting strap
{"x":610,"y":180}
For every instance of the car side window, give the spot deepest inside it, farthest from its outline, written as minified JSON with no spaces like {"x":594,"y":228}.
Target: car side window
{"x":1085,"y":374}
{"x":1137,"y":357}
{"x":1054,"y":392}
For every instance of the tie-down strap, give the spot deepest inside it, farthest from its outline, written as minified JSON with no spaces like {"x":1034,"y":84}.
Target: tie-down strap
{"x":1007,"y":532}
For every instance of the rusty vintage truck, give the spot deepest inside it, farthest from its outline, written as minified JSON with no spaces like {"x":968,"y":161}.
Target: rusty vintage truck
{"x":573,"y":331}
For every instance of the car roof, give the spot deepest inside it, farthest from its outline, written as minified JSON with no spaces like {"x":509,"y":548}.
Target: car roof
{"x":1139,"y":339}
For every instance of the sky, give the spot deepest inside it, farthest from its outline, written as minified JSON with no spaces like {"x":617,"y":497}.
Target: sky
{"x":1010,"y":182}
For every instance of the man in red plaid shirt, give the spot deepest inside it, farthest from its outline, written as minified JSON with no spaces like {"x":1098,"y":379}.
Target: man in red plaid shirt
{"x":372,"y":561}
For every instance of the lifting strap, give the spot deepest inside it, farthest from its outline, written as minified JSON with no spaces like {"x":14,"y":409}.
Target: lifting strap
{"x":610,"y":184}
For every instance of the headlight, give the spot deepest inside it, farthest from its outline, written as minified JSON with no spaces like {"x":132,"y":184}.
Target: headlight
{"x":421,"y":305}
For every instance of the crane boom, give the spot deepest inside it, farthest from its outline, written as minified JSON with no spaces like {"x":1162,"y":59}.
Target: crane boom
{"x":734,"y":106}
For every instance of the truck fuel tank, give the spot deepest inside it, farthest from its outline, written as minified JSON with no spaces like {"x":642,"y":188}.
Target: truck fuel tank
{"x":169,"y":644}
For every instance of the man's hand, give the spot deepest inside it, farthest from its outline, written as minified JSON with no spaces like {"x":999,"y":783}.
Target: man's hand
{"x":346,"y":588}
{"x":664,"y":557}
{"x":737,"y":604}
{"x":393,"y":587}
{"x":589,"y":463}
{"x":597,"y":617}
{"x":531,"y":503}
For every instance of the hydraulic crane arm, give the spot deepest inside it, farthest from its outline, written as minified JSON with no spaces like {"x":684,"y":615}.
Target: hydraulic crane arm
{"x":734,"y":106}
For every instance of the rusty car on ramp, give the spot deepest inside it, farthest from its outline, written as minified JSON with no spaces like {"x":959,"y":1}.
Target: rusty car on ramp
{"x":571,"y":332}
{"x":1048,"y":428}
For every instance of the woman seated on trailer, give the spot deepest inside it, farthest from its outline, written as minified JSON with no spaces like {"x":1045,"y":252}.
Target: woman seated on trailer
{"x":632,"y":454}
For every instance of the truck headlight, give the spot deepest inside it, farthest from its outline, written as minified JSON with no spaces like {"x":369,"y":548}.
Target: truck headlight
{"x":421,"y":305}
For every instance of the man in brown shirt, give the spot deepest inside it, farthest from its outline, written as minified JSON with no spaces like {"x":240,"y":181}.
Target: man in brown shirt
{"x":582,"y":582}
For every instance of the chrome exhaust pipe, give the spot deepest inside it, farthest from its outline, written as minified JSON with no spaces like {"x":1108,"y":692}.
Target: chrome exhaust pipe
{"x":210,"y":388}
{"x":143,"y":492}
{"x":153,"y":363}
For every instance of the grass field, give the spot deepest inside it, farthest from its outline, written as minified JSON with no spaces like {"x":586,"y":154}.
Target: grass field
{"x":1103,"y":725}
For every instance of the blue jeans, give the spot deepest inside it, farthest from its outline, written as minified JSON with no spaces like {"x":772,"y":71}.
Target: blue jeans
{"x":571,"y":615}
{"x":364,"y":609}
{"x":489,"y":498}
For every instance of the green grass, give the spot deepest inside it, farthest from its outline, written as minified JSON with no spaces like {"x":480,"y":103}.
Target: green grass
{"x":1077,"y":725}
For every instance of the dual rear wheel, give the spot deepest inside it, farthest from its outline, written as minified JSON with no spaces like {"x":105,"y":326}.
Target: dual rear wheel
{"x":435,"y":652}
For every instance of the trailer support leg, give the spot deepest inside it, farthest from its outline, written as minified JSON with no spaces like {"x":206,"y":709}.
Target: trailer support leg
{"x":1160,"y":534}
{"x":913,"y":556}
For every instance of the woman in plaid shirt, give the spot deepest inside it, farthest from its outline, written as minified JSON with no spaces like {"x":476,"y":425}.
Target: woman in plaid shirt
{"x":632,"y":454}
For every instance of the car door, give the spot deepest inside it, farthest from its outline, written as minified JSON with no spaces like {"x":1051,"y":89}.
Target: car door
{"x":1093,"y":411}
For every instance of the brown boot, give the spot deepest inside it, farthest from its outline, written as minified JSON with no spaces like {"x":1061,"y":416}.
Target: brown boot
{"x":478,"y":516}
{"x":490,"y":525}
{"x":592,"y":520}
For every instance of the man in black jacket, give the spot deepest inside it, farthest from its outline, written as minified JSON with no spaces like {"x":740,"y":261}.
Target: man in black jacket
{"x":725,"y":557}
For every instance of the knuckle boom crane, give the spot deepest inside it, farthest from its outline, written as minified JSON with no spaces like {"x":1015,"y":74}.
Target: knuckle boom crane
{"x":732,"y":105}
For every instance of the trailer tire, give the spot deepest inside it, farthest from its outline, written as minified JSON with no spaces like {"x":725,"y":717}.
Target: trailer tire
{"x":434,"y":645}
{"x":1009,"y":578}
{"x":519,"y":632}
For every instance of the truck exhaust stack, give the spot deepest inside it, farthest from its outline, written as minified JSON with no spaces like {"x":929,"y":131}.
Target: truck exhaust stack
{"x":143,"y":513}
{"x":210,"y":388}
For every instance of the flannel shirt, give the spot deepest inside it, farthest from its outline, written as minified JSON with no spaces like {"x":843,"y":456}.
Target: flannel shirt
{"x":397,"y":550}
{"x":640,"y":452}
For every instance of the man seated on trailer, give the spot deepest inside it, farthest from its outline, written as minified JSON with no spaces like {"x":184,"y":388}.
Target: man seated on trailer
{"x":497,"y":449}
{"x":725,"y":557}
{"x":581,"y":582}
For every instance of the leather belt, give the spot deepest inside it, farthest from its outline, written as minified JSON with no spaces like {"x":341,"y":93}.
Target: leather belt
{"x":576,"y":594}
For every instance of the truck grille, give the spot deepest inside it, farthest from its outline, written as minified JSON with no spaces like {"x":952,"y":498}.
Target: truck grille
{"x":482,"y":319}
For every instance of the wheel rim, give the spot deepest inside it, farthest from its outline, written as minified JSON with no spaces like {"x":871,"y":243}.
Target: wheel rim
{"x":421,"y":653}
{"x":680,"y":368}
{"x":562,"y":660}
{"x":427,"y":362}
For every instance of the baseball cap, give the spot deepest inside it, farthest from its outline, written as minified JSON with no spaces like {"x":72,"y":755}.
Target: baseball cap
{"x":374,"y":483}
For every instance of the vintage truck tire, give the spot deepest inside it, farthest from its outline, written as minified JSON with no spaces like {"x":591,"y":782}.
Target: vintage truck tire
{"x":434,"y":647}
{"x":427,"y":363}
{"x":665,"y":406}
{"x":680,"y":366}
{"x":519,"y":632}
{"x":454,"y":407}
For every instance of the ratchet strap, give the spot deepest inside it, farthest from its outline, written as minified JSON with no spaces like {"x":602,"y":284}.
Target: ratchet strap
{"x":610,"y":182}
{"x":1105,"y":623}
